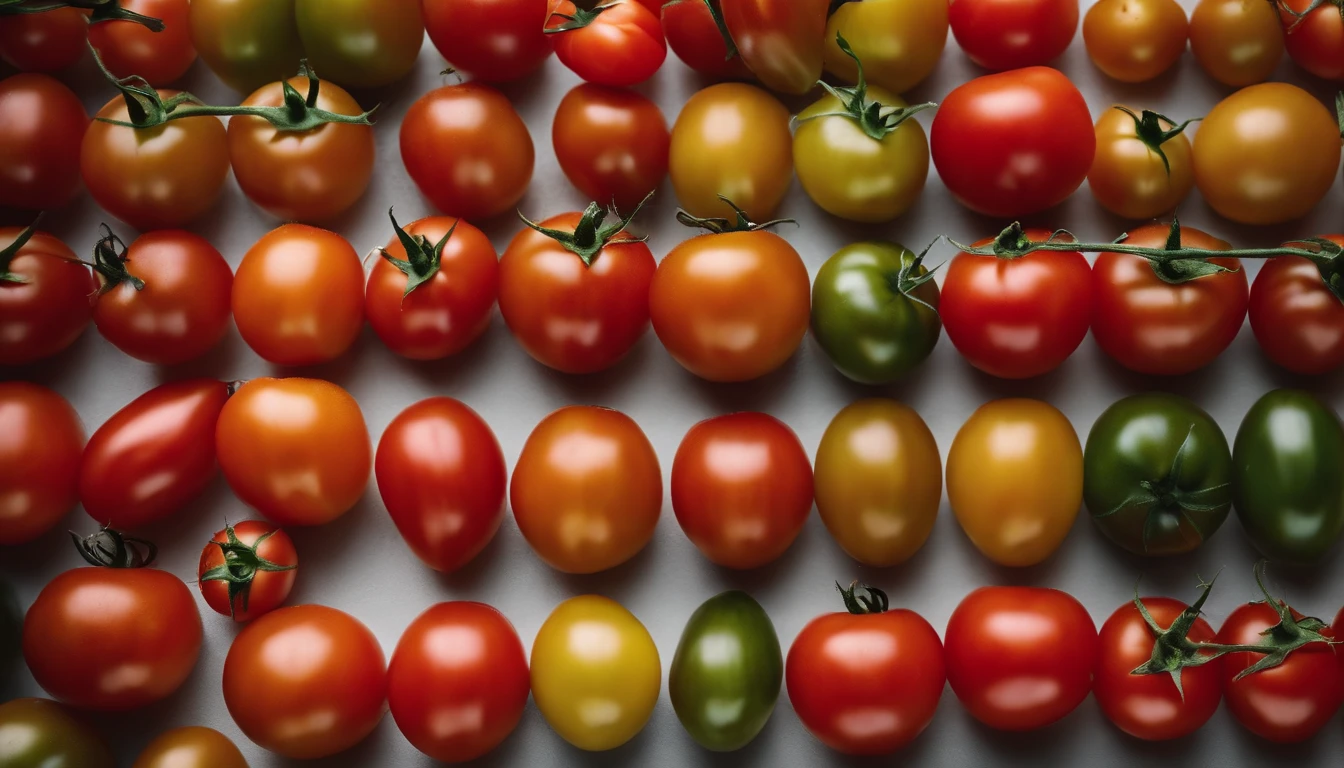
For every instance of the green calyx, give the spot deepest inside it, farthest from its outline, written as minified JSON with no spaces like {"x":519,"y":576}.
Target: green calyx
{"x":1301,"y":16}
{"x":1282,"y":639}
{"x":862,"y":600}
{"x":741,"y":222}
{"x":241,"y":565}
{"x":581,"y":18}
{"x":112,"y":549}
{"x":109,"y":261}
{"x":422,"y":257}
{"x":12,"y":251}
{"x":1148,"y":128}
{"x":100,"y":10}
{"x":591,"y":234}
{"x":877,"y":120}
{"x":908,"y":280}
{"x":1173,"y":650}
{"x":714,"y":13}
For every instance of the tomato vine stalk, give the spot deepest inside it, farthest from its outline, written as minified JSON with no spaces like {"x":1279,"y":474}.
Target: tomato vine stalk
{"x":99,"y":11}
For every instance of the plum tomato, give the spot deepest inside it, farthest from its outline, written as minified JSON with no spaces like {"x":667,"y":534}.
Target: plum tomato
{"x":41,"y":441}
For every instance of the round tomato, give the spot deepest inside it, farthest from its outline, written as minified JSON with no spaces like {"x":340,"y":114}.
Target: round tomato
{"x":587,"y":490}
{"x":1267,"y":154}
{"x":442,"y":477}
{"x":154,"y":178}
{"x":611,"y":143}
{"x":1297,"y":320}
{"x":1158,"y":328}
{"x":1013,"y":144}
{"x":1015,"y":480}
{"x":491,"y":40}
{"x":191,"y":747}
{"x":866,"y":682}
{"x":153,"y":457}
{"x":695,"y":32}
{"x":467,"y":150}
{"x":296,"y":450}
{"x":1237,"y":42}
{"x":780,"y":40}
{"x":247,"y":43}
{"x":731,"y":140}
{"x":1010,"y":35}
{"x":165,"y":299}
{"x":1134,"y":41}
{"x":129,"y":48}
{"x":39,"y":733}
{"x":464,"y":661}
{"x":42,"y":124}
{"x":43,"y":42}
{"x":595,"y":673}
{"x":308,"y":665}
{"x":1143,"y":167}
{"x":116,"y":636}
{"x":247,"y":570}
{"x":361,"y":43}
{"x":899,"y":41}
{"x":45,"y":296}
{"x":298,"y":297}
{"x":1017,"y":318}
{"x":1316,"y":39}
{"x":41,"y":441}
{"x":619,"y":43}
{"x":741,"y":489}
{"x":1020,"y":658}
{"x":879,"y":482}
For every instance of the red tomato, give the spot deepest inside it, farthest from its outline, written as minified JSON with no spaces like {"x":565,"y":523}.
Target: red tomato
{"x":153,"y":457}
{"x":42,"y":124}
{"x":130,"y":48}
{"x":587,"y":490}
{"x":164,"y":300}
{"x":1013,"y":144}
{"x":442,"y":477}
{"x":467,"y":150}
{"x":459,"y":665}
{"x":41,"y":440}
{"x":742,"y":488}
{"x":782,"y":41}
{"x":43,"y":42}
{"x":1316,"y":43}
{"x":50,"y":304}
{"x":1010,"y":34}
{"x":866,"y":682}
{"x":247,"y":570}
{"x":612,"y":144}
{"x":430,"y":298}
{"x":1017,"y":318}
{"x":1159,"y":329}
{"x":694,"y":32}
{"x":296,"y":450}
{"x":116,"y":637}
{"x":491,"y":40}
{"x":1152,"y":707}
{"x":305,"y":682}
{"x":1297,"y":320}
{"x":618,"y":43}
{"x":576,"y":306}
{"x":1020,"y":658}
{"x":298,"y":297}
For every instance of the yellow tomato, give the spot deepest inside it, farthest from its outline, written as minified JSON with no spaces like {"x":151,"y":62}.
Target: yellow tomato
{"x":1128,"y":176}
{"x":193,"y":747}
{"x":1237,"y":42}
{"x":879,"y":481}
{"x":1015,"y":480}
{"x":899,"y":41}
{"x":1134,"y":41}
{"x":595,"y":673}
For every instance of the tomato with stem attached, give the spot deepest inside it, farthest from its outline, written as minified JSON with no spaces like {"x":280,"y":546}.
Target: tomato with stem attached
{"x":1237,"y":42}
{"x":42,"y":124}
{"x":361,"y":43}
{"x":1143,"y":167}
{"x":612,"y":144}
{"x":781,"y":41}
{"x":1298,"y":321}
{"x":130,"y":48}
{"x":41,"y":442}
{"x":697,"y":35}
{"x":49,"y":41}
{"x":494,"y":41}
{"x":247,"y":570}
{"x":47,"y":735}
{"x":247,"y":43}
{"x":1134,"y":41}
{"x":900,"y":41}
{"x":1315,"y":36}
{"x":1000,"y":36}
{"x":619,"y":43}
{"x":191,"y":747}
{"x":45,"y":296}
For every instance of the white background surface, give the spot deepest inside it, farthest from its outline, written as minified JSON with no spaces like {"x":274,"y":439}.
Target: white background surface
{"x":361,"y":565}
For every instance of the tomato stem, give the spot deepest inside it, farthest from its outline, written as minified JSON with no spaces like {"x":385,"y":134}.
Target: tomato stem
{"x":422,"y":259}
{"x":1173,"y":650}
{"x":112,"y":549}
{"x":1148,"y":128}
{"x":718,"y":226}
{"x":12,"y":250}
{"x":590,"y":235}
{"x":241,"y":565}
{"x":861,"y":599}
{"x":581,"y":18}
{"x":102,"y":10}
{"x":109,"y":262}
{"x":876,"y":119}
{"x":728,"y":42}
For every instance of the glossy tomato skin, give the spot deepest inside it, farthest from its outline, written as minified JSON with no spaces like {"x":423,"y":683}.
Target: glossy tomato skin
{"x":742,"y":489}
{"x":309,"y":664}
{"x":1286,"y":484}
{"x":1317,"y":43}
{"x":1001,"y":36}
{"x":587,"y":490}
{"x":1017,"y":318}
{"x":1297,"y":320}
{"x":1237,"y":42}
{"x":899,"y":41}
{"x":693,"y":33}
{"x":875,"y":707}
{"x":191,"y":747}
{"x":298,"y":296}
{"x":458,"y":657}
{"x":1015,"y":480}
{"x":442,"y":477}
{"x":728,"y":661}
{"x":41,"y":440}
{"x":467,"y":150}
{"x":247,"y":43}
{"x":43,"y":42}
{"x":1040,"y":643}
{"x":360,"y":44}
{"x":623,"y":46}
{"x":1129,"y":179}
{"x":129,"y":48}
{"x":1013,"y":162}
{"x":46,"y":312}
{"x":1134,"y":41}
{"x":491,"y":40}
{"x":612,"y":144}
{"x":51,"y":736}
{"x":595,"y":673}
{"x":275,"y":430}
{"x":183,"y":310}
{"x":42,"y":124}
{"x":153,"y":457}
{"x":780,"y":40}
{"x":1151,"y":707}
{"x":269,"y":587}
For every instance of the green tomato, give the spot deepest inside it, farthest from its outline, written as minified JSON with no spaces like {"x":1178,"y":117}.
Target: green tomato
{"x":361,"y":43}
{"x":39,"y":733}
{"x":727,"y":672}
{"x":872,"y":314}
{"x":1157,"y":474}
{"x":247,"y":43}
{"x":1288,"y":486}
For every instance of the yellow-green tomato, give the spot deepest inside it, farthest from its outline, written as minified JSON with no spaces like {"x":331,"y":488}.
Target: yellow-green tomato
{"x":595,"y":673}
{"x":899,"y":41}
{"x":247,"y":43}
{"x":879,"y":481}
{"x":361,"y":43}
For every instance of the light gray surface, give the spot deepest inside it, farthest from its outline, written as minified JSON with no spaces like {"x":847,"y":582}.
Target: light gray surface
{"x":360,"y":564}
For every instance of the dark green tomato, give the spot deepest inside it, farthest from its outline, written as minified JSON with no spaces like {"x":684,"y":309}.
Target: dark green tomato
{"x":874,"y":333}
{"x":247,"y":43}
{"x":1157,"y":474}
{"x":361,"y":43}
{"x":39,"y":733}
{"x":1288,"y":486}
{"x":727,"y":672}
{"x":11,"y":630}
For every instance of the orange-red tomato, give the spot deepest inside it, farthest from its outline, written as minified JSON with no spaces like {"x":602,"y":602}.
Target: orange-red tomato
{"x":42,"y":124}
{"x":1316,"y":43}
{"x":130,"y":48}
{"x":1001,"y":35}
{"x":693,"y":33}
{"x":491,"y":40}
{"x":43,"y":42}
{"x":619,"y":43}
{"x":41,"y":440}
{"x":247,"y":570}
{"x":49,"y":306}
{"x":781,"y":40}
{"x":612,"y":144}
{"x":1134,"y":41}
{"x":1297,"y":320}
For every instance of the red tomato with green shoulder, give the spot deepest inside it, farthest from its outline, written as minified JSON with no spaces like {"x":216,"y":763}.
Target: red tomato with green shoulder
{"x":1010,"y":34}
{"x":130,"y":48}
{"x":49,"y":41}
{"x":41,"y":441}
{"x":696,"y":33}
{"x":1297,"y":320}
{"x":45,"y":296}
{"x":42,"y":124}
{"x":247,"y":570}
{"x":781,"y":41}
{"x":618,"y":43}
{"x":612,"y":144}
{"x":1315,"y":39}
{"x":491,"y":40}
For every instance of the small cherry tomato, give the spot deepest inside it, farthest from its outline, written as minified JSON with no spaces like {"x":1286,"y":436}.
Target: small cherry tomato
{"x":46,"y":296}
{"x":618,"y":43}
{"x":49,"y":41}
{"x":900,"y":41}
{"x":1134,"y":41}
{"x":191,"y":747}
{"x":1237,"y":42}
{"x":491,"y":40}
{"x":1297,"y":320}
{"x":361,"y":43}
{"x":42,"y":125}
{"x":1001,"y":35}
{"x":41,"y":440}
{"x":1315,"y":40}
{"x":247,"y":570}
{"x":1143,"y":167}
{"x":780,"y":40}
{"x":129,"y":48}
{"x":49,"y":736}
{"x":695,"y":32}
{"x":611,"y":143}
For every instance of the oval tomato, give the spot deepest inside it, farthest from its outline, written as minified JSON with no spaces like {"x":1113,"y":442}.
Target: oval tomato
{"x":1143,"y":167}
{"x":247,"y":570}
{"x":695,"y":32}
{"x":780,"y":40}
{"x":45,"y":296}
{"x":1237,"y":42}
{"x":247,"y":43}
{"x":191,"y":747}
{"x":491,"y":40}
{"x":899,"y":41}
{"x":49,"y":736}
{"x":42,"y":124}
{"x":619,"y":43}
{"x":1315,"y":40}
{"x":49,"y":41}
{"x":41,"y":440}
{"x":1010,"y":35}
{"x":1297,"y":320}
{"x":361,"y":43}
{"x":129,"y":48}
{"x":611,"y":143}
{"x":1134,"y":41}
